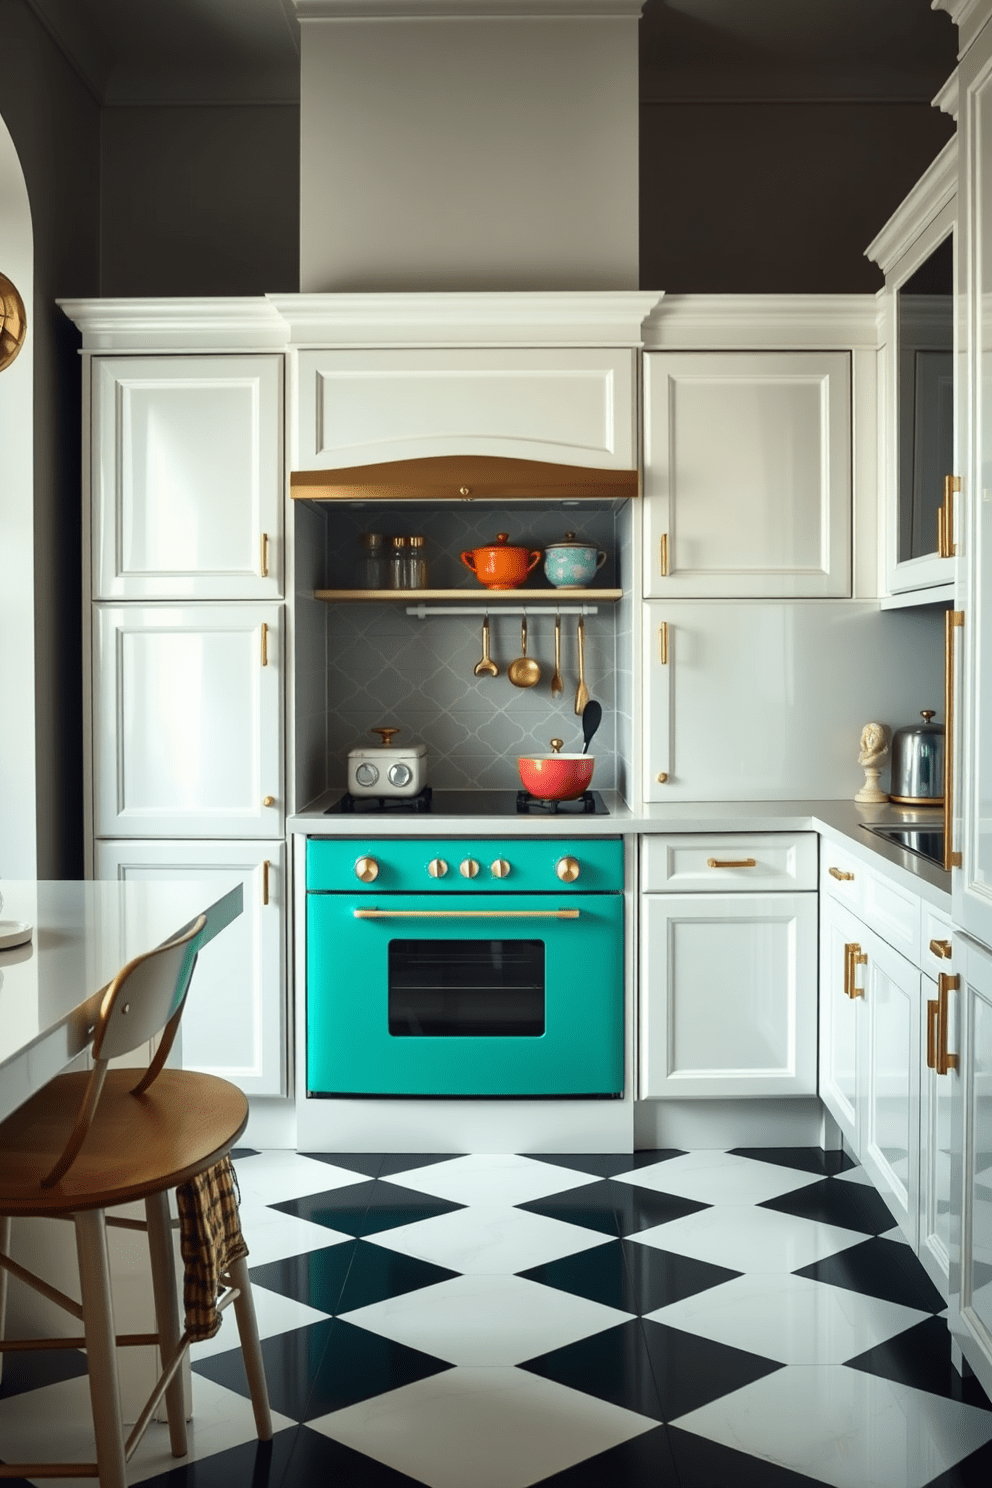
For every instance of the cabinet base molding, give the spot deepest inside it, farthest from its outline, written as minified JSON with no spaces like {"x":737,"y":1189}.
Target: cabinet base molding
{"x":696,"y":1125}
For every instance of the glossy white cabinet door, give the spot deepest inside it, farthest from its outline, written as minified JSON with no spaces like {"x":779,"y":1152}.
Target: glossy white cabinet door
{"x":971,"y":1171}
{"x":728,"y":995}
{"x":187,"y":718}
{"x":972,"y":835}
{"x":187,"y":477}
{"x":766,"y":700}
{"x":747,"y":474}
{"x":234,"y":1023}
{"x":936,"y":1093}
{"x":571,"y":406}
{"x":890,"y":1119}
{"x":841,"y":1040}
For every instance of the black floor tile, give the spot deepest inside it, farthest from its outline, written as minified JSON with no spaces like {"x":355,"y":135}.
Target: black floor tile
{"x":405,"y":1162}
{"x":690,"y":1371}
{"x":971,"y":1472}
{"x":613,"y":1208}
{"x":648,"y":1156}
{"x":317,"y":1460}
{"x":368,"y":1163}
{"x":634,"y":1278}
{"x":316,"y":1278}
{"x":253,"y":1464}
{"x":366,"y":1208}
{"x":33,"y":1369}
{"x":643,"y":1462}
{"x":921,"y":1357}
{"x":603,"y":1164}
{"x":660,"y":1277}
{"x":706,"y":1464}
{"x":377,"y":1273}
{"x":806,"y":1159}
{"x":853,"y":1206}
{"x":237,"y":1152}
{"x":879,"y":1268}
{"x":613,"y":1365}
{"x":323,"y":1367}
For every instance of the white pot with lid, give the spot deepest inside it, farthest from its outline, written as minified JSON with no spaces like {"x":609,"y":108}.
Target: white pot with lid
{"x":387,"y":769}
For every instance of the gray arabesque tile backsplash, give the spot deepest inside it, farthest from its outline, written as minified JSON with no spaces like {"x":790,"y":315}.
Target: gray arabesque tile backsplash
{"x":386,"y":667}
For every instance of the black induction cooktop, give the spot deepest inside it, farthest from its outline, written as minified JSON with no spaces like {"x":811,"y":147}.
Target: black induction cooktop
{"x":466,"y":803}
{"x":924,"y":840}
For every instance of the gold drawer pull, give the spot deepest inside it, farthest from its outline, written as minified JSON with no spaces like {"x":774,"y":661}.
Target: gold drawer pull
{"x":264,"y":556}
{"x":944,"y":1061}
{"x":839,"y":873}
{"x":853,"y":956}
{"x":663,"y":555}
{"x":932,"y":1011}
{"x":265,"y":644}
{"x":664,"y":642}
{"x":941,"y":949}
{"x":265,"y":881}
{"x":466,"y":914}
{"x":733,"y":863}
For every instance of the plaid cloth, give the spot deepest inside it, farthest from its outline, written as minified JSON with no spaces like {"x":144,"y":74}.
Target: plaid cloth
{"x":210,"y":1240}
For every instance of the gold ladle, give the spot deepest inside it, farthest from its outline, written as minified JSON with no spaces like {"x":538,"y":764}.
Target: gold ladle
{"x":525,"y":671}
{"x":557,"y":685}
{"x":486,"y":667}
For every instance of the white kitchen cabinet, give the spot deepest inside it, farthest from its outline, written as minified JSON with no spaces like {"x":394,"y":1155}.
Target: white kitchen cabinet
{"x":935,"y":1155}
{"x":764,"y":700}
{"x":568,"y":405}
{"x":728,"y":983}
{"x":187,"y":481}
{"x":841,"y":1052}
{"x":971,"y":1227}
{"x":234,"y":1024}
{"x":747,"y":474}
{"x":890,"y":1133}
{"x":188,"y":721}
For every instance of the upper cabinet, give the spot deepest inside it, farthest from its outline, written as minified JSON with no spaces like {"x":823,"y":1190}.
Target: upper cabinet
{"x":568,"y":405}
{"x":747,"y":474}
{"x":916,"y":251}
{"x":187,"y":477}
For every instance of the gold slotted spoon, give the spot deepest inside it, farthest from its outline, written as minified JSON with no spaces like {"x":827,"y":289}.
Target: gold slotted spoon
{"x":486,"y":667}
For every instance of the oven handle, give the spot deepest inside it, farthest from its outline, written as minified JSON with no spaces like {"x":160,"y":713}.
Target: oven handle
{"x":466,"y":914}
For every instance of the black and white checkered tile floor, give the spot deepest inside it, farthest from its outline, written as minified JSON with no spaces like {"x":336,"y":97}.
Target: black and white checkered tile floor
{"x":746,"y":1319}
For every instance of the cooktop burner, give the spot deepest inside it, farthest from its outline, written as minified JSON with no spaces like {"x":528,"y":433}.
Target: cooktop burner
{"x":469,"y":803}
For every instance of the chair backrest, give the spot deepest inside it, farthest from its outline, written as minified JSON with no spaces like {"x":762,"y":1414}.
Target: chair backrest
{"x":145,"y":998}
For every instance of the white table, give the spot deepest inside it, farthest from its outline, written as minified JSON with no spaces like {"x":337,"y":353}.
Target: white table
{"x":84,"y":932}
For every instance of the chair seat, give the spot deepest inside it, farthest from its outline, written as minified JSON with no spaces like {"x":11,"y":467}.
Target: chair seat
{"x":137,"y":1145}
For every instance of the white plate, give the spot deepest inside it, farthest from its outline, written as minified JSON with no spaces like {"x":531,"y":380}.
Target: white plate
{"x":14,"y":933}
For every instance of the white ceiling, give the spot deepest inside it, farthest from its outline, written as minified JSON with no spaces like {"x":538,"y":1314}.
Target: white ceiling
{"x":188,"y":51}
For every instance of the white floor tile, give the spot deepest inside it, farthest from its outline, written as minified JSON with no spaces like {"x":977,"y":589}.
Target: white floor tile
{"x":272,"y":1177}
{"x":847,"y":1428}
{"x":789,"y":1318}
{"x":271,"y":1236}
{"x":719,"y":1178}
{"x":486,"y":1319}
{"x":490,"y":1240}
{"x":854,"y":1175}
{"x":895,"y":1234}
{"x":273,"y":1314}
{"x":482,"y":1428}
{"x":749,"y":1239}
{"x":55,"y":1422}
{"x":489,"y":1178}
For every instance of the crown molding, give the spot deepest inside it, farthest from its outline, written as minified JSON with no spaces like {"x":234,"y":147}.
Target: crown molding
{"x":564,"y":318}
{"x":947,"y":99}
{"x":395,"y":10}
{"x":936,"y":187}
{"x":86,"y":51}
{"x":204,"y":324}
{"x":968,"y":15}
{"x":703,"y":322}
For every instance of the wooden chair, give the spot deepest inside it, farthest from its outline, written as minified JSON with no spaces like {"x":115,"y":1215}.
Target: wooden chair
{"x":92,"y":1140}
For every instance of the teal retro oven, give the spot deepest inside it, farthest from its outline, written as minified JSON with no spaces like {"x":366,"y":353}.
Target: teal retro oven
{"x":455,"y":967}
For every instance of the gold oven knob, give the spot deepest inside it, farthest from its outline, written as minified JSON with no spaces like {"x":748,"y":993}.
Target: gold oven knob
{"x":500,"y":869}
{"x":437,"y":867}
{"x":567,"y":869}
{"x":367,"y":869}
{"x":469,"y":868}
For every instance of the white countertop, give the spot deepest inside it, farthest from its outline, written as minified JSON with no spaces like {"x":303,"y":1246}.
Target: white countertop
{"x":83,"y":933}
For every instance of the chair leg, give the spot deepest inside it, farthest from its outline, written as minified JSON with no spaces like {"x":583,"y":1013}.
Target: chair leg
{"x":167,"y":1312}
{"x":251,"y":1352}
{"x":101,"y":1354}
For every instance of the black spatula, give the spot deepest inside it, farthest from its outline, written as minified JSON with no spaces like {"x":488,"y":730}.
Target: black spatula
{"x":592,"y":717}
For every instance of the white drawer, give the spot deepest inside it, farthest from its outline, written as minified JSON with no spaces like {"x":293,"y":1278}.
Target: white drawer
{"x":893,"y":913}
{"x":724,"y":862}
{"x":936,"y":929}
{"x":842,"y":876}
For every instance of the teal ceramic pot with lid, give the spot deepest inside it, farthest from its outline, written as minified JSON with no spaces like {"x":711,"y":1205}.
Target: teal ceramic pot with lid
{"x":571,"y":564}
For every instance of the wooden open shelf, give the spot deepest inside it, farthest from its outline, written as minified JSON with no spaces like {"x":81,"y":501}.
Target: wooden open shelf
{"x":479,"y":596}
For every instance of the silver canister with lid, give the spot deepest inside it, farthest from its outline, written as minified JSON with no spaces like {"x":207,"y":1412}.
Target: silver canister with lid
{"x":918,"y":763}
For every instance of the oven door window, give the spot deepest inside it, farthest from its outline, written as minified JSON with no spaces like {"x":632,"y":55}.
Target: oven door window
{"x":466,"y":988}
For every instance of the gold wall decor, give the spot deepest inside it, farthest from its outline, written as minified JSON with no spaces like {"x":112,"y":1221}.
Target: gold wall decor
{"x":13,"y":322}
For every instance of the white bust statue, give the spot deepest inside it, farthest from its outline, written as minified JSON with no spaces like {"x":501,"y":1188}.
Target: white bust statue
{"x":875,"y":740}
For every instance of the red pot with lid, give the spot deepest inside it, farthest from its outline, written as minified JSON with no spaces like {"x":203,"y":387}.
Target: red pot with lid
{"x":499,"y":565}
{"x":556,"y":776}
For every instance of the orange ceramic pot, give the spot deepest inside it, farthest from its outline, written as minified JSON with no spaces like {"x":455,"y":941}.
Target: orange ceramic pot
{"x":556,"y":777}
{"x":500,"y":566}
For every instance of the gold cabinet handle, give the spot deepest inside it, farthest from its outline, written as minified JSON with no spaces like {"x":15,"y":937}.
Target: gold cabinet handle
{"x":265,"y":881}
{"x":663,"y":633}
{"x":466,"y":914}
{"x":853,"y":956}
{"x":932,"y":1011}
{"x":839,"y":873}
{"x":941,"y":948}
{"x":945,"y":986}
{"x":264,"y":563}
{"x":265,"y":644}
{"x":946,"y":547}
{"x":663,"y":555}
{"x":662,"y":777}
{"x":731,"y":862}
{"x":953,"y":620}
{"x":268,"y":800}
